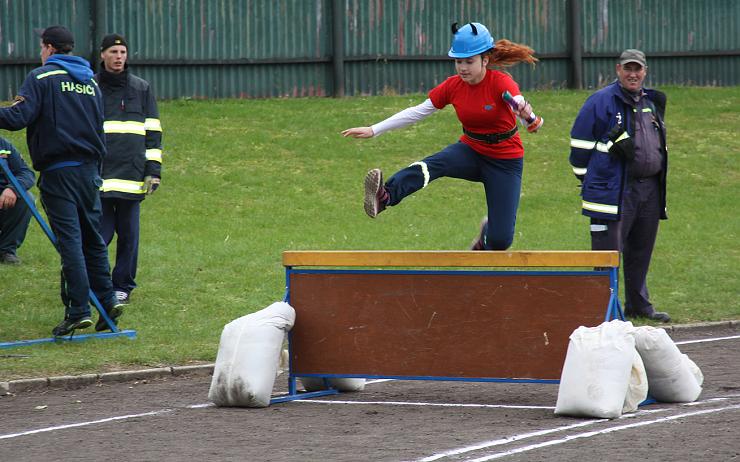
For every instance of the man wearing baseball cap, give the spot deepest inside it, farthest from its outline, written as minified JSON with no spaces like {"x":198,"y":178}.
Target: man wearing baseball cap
{"x":618,"y":152}
{"x":61,"y":106}
{"x":133,"y":165}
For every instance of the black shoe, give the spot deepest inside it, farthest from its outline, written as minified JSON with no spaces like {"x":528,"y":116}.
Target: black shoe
{"x":114,"y":313}
{"x":659,"y":316}
{"x":68,"y":326}
{"x":9,"y":258}
{"x":654,"y":316}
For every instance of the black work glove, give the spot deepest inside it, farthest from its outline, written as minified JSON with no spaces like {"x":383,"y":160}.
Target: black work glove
{"x":622,"y":147}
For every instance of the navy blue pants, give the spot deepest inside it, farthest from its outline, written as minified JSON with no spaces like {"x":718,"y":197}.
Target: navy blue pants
{"x":634,"y":235}
{"x":121,"y":216}
{"x":501,"y":178}
{"x":14,"y":224}
{"x":71,"y":198}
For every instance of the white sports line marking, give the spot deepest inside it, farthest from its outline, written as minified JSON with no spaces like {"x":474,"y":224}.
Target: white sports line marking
{"x":84,"y":424}
{"x":499,"y":455}
{"x":410,"y":403}
{"x":716,"y":339}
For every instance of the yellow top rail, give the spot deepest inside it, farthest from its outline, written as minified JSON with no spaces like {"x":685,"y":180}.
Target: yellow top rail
{"x":451,"y":258}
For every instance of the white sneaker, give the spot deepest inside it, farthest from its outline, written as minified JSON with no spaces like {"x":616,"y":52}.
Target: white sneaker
{"x":121,"y":296}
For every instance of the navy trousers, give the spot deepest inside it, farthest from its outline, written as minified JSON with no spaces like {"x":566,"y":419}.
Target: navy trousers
{"x":121,"y":216}
{"x":501,"y":178}
{"x":13,"y":225}
{"x":71,"y":199}
{"x":634,"y":235}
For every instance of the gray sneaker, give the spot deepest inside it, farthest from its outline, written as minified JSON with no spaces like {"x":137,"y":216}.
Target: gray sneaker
{"x":9,"y":258}
{"x":478,"y":242}
{"x":376,"y":196}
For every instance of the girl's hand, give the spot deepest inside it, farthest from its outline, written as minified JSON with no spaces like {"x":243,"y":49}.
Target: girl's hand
{"x":524,"y":110}
{"x":358,"y":132}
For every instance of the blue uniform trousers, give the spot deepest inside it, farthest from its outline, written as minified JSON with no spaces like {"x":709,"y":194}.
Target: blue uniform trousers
{"x":634,"y":235}
{"x":501,"y":178}
{"x":71,"y":198}
{"x":14,"y":224}
{"x":121,"y":216}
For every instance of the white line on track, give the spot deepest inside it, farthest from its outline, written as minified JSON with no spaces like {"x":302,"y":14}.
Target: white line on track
{"x":716,"y":339}
{"x":411,"y":403}
{"x":508,"y":439}
{"x":84,"y":424}
{"x":617,"y":428}
{"x":547,"y":431}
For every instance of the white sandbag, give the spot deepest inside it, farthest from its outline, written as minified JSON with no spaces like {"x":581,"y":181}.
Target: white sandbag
{"x":695,"y":371}
{"x":637,"y":390}
{"x":341,"y":384}
{"x":248,"y":356}
{"x":597,"y":369}
{"x":671,"y":378}
{"x":283,"y":363}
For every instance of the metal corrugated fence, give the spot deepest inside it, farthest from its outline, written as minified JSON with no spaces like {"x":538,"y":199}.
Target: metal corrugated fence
{"x":266,"y":48}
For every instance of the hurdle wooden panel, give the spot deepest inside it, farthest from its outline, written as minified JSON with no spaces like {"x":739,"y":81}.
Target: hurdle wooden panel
{"x":441,"y":320}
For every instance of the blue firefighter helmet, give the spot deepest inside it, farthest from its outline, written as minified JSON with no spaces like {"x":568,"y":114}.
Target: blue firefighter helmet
{"x":470,"y":40}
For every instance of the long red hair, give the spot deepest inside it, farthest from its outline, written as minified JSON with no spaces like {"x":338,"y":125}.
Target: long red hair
{"x":507,"y":53}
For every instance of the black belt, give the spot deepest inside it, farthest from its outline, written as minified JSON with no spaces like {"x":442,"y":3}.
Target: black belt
{"x":491,"y":138}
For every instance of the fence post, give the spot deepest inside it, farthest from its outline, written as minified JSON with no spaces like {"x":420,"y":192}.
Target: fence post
{"x":97,"y":29}
{"x":575,"y":79}
{"x":338,"y":46}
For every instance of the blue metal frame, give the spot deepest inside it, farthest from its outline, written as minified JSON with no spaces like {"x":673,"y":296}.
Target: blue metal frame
{"x":613,"y":311}
{"x":116,"y":332}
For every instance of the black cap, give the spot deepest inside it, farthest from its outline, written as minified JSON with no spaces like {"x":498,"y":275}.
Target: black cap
{"x":112,"y":40}
{"x":57,"y":36}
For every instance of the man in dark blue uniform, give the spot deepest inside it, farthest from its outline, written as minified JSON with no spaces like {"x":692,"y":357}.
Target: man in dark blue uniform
{"x":62,"y":108}
{"x":14,"y":213}
{"x":618,"y":151}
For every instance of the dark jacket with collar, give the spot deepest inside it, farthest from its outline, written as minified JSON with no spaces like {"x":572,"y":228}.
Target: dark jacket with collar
{"x":603,"y":176}
{"x":17,"y":166}
{"x":62,"y":107}
{"x":133,"y":135}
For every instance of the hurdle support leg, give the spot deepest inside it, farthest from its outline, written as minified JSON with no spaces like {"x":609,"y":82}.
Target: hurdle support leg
{"x":115,"y":331}
{"x":614,"y":310}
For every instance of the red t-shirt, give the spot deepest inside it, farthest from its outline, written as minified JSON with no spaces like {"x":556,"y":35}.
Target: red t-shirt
{"x":481,"y":109}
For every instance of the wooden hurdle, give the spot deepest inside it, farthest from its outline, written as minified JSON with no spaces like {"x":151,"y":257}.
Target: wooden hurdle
{"x":445,"y":315}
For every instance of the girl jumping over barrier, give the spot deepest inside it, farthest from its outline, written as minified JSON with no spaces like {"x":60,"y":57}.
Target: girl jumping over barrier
{"x":486,"y":101}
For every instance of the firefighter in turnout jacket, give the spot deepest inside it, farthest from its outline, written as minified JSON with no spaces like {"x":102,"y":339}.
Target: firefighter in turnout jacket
{"x":618,"y":151}
{"x":132,"y":168}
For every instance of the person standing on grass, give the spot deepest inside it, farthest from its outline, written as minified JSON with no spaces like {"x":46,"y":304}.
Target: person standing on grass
{"x":489,"y":151}
{"x":15,"y":215}
{"x":618,"y":152}
{"x":133,"y":166}
{"x":62,"y":107}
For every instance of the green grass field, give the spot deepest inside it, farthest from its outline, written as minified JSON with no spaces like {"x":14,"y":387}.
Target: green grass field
{"x":245,"y":180}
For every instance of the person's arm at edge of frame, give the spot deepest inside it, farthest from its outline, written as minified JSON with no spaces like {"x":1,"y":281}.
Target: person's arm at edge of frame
{"x":23,"y":174}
